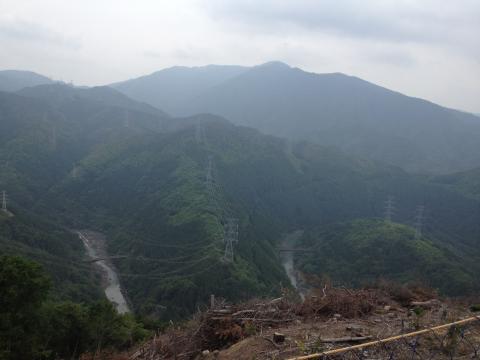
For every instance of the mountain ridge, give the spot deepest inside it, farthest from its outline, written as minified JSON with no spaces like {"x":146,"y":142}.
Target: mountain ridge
{"x":14,"y":80}
{"x":161,"y":189}
{"x":339,"y":110}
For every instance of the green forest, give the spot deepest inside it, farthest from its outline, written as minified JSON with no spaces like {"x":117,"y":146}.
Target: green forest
{"x":356,"y":252}
{"x":33,"y":325}
{"x":89,"y":159}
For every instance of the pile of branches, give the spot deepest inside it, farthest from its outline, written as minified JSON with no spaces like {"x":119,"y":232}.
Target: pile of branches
{"x":223,"y":325}
{"x":342,"y":302}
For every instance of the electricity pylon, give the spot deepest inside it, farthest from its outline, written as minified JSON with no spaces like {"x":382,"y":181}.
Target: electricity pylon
{"x":230,"y":225}
{"x":389,"y":208}
{"x":4,"y":201}
{"x":419,"y":221}
{"x":126,"y":120}
{"x":230,"y":237}
{"x":75,"y":171}
{"x":199,"y":132}
{"x":211,"y":184}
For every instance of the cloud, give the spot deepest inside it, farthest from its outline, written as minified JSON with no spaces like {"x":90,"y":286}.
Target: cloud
{"x":424,"y":48}
{"x":153,"y":54}
{"x":392,"y":57}
{"x":387,"y":20}
{"x":18,"y":30}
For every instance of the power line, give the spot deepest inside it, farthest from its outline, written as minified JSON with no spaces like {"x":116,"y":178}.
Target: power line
{"x":194,"y":246}
{"x":161,"y":277}
{"x":176,"y":271}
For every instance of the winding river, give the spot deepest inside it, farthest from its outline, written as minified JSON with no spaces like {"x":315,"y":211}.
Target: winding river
{"x":94,"y":243}
{"x":289,"y":241}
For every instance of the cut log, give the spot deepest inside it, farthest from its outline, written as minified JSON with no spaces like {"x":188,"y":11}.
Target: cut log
{"x":346,"y":339}
{"x":243,"y":312}
{"x":426,"y":304}
{"x":265,"y":320}
{"x":222,"y":311}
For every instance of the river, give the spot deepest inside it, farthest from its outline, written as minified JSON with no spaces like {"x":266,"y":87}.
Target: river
{"x":289,"y":241}
{"x":94,"y":243}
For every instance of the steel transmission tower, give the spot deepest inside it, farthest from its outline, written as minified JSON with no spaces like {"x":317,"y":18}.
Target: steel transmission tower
{"x":211,"y":185}
{"x":126,"y":120}
{"x":419,"y":221}
{"x":230,"y":224}
{"x":75,"y":171}
{"x":4,"y":201}
{"x":53,"y":137}
{"x":389,"y":208}
{"x":199,"y":132}
{"x":229,"y":238}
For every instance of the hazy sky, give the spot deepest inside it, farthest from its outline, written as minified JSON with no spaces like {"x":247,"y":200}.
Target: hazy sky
{"x":424,"y":48}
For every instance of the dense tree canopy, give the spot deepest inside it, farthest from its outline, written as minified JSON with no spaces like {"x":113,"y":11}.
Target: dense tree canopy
{"x":33,"y":327}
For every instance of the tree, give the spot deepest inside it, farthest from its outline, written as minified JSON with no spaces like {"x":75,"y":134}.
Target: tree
{"x":23,"y":288}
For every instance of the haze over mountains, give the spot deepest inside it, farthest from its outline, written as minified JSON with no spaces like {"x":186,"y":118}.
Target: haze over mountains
{"x":14,"y":80}
{"x":96,"y":158}
{"x":181,"y":196}
{"x":331,"y":109}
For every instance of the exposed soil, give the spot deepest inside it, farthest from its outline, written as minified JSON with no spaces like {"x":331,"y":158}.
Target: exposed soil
{"x":328,"y":319}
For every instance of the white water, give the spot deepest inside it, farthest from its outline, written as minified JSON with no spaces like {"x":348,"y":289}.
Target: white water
{"x":111,"y":286}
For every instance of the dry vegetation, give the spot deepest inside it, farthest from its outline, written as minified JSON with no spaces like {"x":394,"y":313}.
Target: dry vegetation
{"x":284,"y":327}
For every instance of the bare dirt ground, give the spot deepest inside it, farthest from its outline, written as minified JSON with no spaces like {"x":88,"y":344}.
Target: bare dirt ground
{"x":328,"y":319}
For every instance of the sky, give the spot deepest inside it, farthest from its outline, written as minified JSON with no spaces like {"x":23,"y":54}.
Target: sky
{"x":423,"y":48}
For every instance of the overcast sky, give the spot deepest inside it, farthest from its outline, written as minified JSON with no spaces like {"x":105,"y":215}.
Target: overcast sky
{"x":424,"y":48}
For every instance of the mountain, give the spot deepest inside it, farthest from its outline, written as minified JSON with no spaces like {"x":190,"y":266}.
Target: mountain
{"x":152,"y":198}
{"x":44,"y":139}
{"x":28,"y":234}
{"x":330,"y":109}
{"x":14,"y":80}
{"x":356,"y":252}
{"x":41,"y":144}
{"x":168,"y":89}
{"x":59,"y":94}
{"x":163,"y":189}
{"x":466,"y":182}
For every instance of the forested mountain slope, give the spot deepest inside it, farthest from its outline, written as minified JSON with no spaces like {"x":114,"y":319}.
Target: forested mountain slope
{"x":467,"y":182}
{"x":356,"y":252}
{"x":163,"y":188}
{"x":331,"y":109}
{"x":152,"y":196}
{"x":40,"y":145}
{"x":57,"y":249}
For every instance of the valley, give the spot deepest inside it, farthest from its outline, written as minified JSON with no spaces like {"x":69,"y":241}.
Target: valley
{"x":151,"y":191}
{"x":166,"y":190}
{"x":239,"y":180}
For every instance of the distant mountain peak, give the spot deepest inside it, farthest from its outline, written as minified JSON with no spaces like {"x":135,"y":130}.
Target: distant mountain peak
{"x":14,"y":80}
{"x":274,"y":65}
